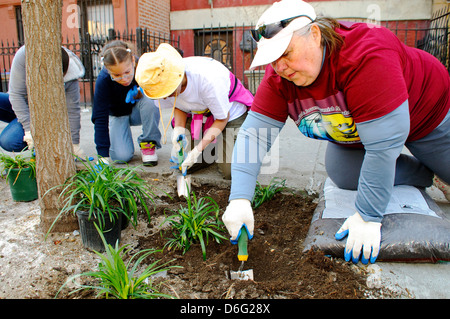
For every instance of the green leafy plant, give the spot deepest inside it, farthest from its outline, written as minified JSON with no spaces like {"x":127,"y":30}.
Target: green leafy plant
{"x":105,"y":191}
{"x":118,"y":279}
{"x":263,"y":194}
{"x":195,"y":223}
{"x":19,"y":161}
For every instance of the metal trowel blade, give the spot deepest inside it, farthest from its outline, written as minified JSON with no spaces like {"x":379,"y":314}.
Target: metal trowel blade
{"x":241,"y":275}
{"x":183,"y":185}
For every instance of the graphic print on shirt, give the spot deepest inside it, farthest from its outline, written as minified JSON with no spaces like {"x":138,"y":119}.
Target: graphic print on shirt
{"x":327,"y":119}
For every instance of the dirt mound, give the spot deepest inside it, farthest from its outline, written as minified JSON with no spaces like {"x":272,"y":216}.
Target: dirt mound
{"x":281,"y":269}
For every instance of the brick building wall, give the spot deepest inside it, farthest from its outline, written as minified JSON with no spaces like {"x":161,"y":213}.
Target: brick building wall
{"x":155,"y":15}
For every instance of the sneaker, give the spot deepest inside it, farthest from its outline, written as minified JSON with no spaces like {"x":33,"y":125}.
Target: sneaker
{"x":443,"y":187}
{"x":148,"y":152}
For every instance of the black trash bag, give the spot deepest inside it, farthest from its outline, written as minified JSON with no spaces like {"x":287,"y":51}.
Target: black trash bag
{"x":415,"y":236}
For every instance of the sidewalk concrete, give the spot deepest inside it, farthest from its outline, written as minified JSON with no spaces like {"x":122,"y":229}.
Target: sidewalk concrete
{"x":301,"y":163}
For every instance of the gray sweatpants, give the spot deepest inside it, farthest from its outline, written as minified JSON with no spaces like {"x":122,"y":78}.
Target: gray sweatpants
{"x":430,"y":156}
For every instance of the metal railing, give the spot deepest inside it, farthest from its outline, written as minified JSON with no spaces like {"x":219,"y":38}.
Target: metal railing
{"x":234,"y":47}
{"x":431,"y":36}
{"x":437,"y":38}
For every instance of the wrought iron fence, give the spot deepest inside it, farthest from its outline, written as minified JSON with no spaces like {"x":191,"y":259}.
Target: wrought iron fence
{"x":234,"y":47}
{"x":436,"y":40}
{"x":431,"y":36}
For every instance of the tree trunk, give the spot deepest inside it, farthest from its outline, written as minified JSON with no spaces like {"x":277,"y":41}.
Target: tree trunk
{"x":50,"y":126}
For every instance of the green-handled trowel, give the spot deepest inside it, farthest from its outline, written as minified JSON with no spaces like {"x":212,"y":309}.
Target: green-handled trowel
{"x":183,"y":182}
{"x":242,"y":257}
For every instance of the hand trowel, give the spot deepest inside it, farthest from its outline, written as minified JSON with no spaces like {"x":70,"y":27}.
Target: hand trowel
{"x":183,"y":181}
{"x":242,"y":257}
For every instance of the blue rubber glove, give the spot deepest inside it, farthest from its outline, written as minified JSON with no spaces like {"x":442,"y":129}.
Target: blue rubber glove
{"x":90,"y":158}
{"x":362,"y":235}
{"x":174,"y":159}
{"x":132,"y":93}
{"x":235,"y":241}
{"x":179,"y":134}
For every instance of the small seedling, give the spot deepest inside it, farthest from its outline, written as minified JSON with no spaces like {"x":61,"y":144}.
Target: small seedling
{"x":263,"y":194}
{"x":195,"y":223}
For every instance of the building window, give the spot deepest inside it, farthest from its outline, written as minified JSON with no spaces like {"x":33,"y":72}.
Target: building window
{"x":19,"y":24}
{"x":215,"y":44}
{"x":97,"y":18}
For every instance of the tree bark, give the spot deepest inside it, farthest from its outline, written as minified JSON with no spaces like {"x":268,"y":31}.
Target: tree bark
{"x":50,"y":126}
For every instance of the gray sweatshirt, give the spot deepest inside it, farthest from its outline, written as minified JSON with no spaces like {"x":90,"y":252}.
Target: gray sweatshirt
{"x":19,"y":98}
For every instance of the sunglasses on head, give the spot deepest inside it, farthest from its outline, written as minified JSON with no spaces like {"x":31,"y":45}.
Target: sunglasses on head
{"x":268,"y":31}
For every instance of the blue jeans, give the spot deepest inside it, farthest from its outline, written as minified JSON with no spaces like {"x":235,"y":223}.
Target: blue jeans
{"x":145,"y":113}
{"x":11,"y":138}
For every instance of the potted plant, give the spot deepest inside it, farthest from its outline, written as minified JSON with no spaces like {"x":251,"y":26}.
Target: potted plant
{"x":104,"y":195}
{"x":20,"y":172}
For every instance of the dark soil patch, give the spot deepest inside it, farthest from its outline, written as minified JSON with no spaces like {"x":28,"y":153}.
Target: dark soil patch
{"x":281,"y":268}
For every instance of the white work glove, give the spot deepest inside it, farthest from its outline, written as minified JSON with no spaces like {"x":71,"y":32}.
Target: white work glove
{"x":190,"y":159}
{"x":177,"y":131}
{"x":362,"y":235}
{"x":27,"y":138}
{"x":239,"y":213}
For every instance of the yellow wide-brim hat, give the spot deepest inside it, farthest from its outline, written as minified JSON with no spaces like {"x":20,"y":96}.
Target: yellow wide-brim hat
{"x":160,"y":73}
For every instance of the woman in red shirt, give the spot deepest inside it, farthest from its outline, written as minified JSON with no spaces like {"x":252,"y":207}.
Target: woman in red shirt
{"x":360,"y":88}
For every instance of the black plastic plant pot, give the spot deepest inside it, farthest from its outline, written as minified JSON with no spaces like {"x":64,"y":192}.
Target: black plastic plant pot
{"x":22,"y":184}
{"x":91,"y":238}
{"x":125,"y":222}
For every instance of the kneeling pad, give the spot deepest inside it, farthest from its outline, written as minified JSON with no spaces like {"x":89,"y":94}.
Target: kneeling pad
{"x":414,"y":228}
